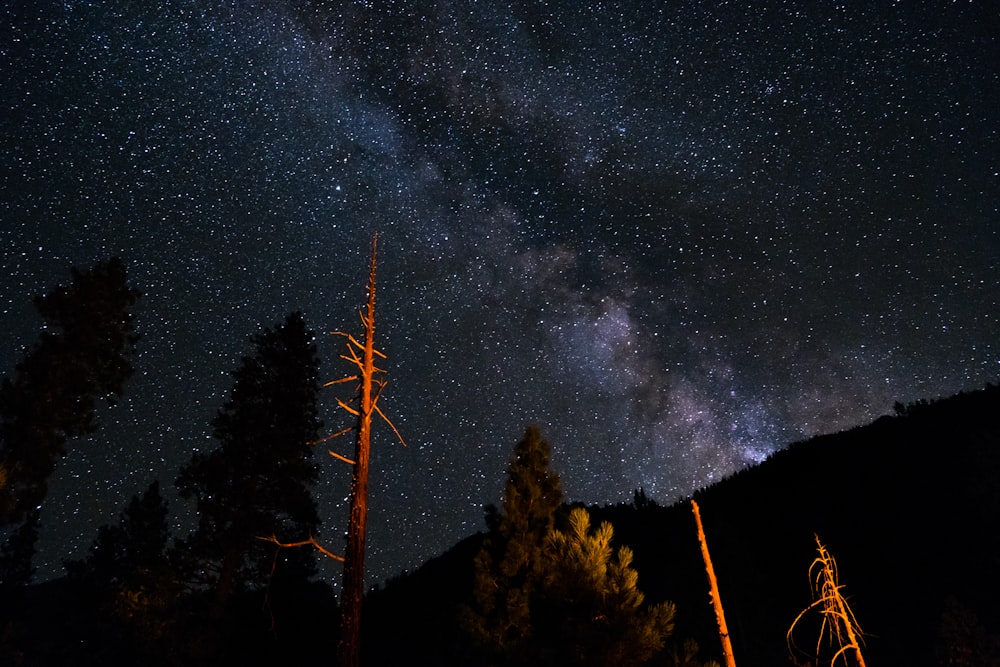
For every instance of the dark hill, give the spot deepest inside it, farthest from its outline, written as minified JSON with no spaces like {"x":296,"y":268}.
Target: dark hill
{"x":908,"y":505}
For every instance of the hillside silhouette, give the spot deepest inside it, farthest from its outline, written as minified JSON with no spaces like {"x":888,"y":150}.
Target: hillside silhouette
{"x":909,"y":505}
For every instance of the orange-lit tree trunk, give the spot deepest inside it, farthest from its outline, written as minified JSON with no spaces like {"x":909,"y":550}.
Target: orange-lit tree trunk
{"x":349,"y":649}
{"x":720,"y":617}
{"x":369,"y":388}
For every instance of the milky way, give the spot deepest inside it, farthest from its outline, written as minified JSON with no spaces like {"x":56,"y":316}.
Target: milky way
{"x":677,"y":239}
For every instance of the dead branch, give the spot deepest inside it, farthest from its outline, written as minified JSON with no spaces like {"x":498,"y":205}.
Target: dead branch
{"x":342,"y":380}
{"x":391,"y":425}
{"x":302,"y":543}
{"x":342,"y":458}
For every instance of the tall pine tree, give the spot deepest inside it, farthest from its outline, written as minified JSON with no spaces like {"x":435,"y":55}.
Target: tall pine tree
{"x":507,"y":568}
{"x":259,"y":481}
{"x":83,"y":355}
{"x":556,"y":597}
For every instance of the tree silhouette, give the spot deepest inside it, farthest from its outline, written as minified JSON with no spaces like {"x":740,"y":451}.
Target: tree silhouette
{"x":82,"y":355}
{"x":126,"y":552}
{"x":127,"y":569}
{"x":259,"y":481}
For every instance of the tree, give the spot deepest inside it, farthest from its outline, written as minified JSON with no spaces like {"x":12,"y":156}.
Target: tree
{"x":127,"y":566}
{"x":838,"y":626}
{"x":259,"y":481}
{"x":369,"y":383}
{"x":369,"y":390}
{"x":594,"y":609}
{"x":83,"y":355}
{"x":543,"y":595}
{"x":713,"y":590}
{"x":125,"y":553}
{"x":507,"y":568}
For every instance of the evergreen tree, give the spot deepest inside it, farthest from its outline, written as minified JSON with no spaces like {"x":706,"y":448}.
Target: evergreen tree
{"x":127,"y":553}
{"x":507,"y":567}
{"x":127,"y":569}
{"x":546,"y":596}
{"x":592,"y":611}
{"x":258,"y":483}
{"x":82,"y":355}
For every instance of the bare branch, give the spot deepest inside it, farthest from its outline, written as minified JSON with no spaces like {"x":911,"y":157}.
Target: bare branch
{"x":302,"y":543}
{"x":349,"y":337}
{"x":327,"y":438}
{"x":391,"y":425}
{"x":342,"y":458}
{"x":348,"y":408}
{"x":341,"y":381}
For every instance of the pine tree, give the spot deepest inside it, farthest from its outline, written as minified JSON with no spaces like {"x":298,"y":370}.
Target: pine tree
{"x":592,"y":610}
{"x":259,"y":481}
{"x":507,"y":567}
{"x":127,"y":569}
{"x":547,"y":596}
{"x":124,"y":554}
{"x":83,"y":355}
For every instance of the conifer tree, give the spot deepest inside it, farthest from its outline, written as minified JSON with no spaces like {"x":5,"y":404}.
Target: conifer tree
{"x":127,"y":569}
{"x":259,"y":481}
{"x":593,"y":608}
{"x":125,"y":553}
{"x":547,"y":596}
{"x":82,"y":356}
{"x":507,"y":568}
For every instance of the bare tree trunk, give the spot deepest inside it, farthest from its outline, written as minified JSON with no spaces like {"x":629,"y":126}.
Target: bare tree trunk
{"x":720,"y":617}
{"x":349,"y":649}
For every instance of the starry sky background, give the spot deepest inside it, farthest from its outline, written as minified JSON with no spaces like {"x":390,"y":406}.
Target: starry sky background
{"x":677,"y":235}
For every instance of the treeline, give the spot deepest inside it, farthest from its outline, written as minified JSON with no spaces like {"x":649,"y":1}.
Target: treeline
{"x":142,"y":595}
{"x":908,"y":505}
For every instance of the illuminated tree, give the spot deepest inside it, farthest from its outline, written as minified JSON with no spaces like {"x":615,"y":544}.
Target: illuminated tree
{"x":720,"y":616}
{"x":543,"y":595}
{"x":593,"y":608}
{"x":507,"y":568}
{"x":369,"y":389}
{"x":369,"y":382}
{"x":259,"y":481}
{"x":838,"y":626}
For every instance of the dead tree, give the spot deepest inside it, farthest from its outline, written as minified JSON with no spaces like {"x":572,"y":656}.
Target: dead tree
{"x":838,"y":624}
{"x":720,"y":617}
{"x":370,"y":385}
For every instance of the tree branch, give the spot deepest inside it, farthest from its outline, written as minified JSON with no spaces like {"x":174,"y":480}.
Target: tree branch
{"x":342,"y":458}
{"x":302,"y":543}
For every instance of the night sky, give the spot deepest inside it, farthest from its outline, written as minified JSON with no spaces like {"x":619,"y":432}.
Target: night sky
{"x":678,"y":238}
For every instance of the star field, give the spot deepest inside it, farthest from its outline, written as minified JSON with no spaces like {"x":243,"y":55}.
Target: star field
{"x":676,"y":238}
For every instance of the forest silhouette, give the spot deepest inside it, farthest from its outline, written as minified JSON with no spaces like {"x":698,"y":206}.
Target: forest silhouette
{"x":908,"y":504}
